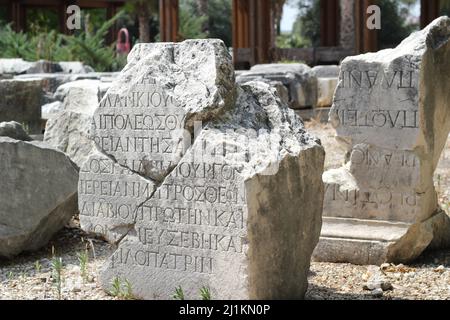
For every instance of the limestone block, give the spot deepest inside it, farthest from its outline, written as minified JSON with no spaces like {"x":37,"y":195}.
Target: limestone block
{"x":38,"y":194}
{"x":391,"y":114}
{"x":68,"y":130}
{"x":296,"y":77}
{"x":21,"y":101}
{"x":211,"y":213}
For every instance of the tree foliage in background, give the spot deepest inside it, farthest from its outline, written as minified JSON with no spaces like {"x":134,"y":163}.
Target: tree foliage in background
{"x":88,"y":47}
{"x":306,"y":28}
{"x":190,"y":24}
{"x":194,"y":23}
{"x":445,"y":7}
{"x":394,"y":22}
{"x":144,"y":11}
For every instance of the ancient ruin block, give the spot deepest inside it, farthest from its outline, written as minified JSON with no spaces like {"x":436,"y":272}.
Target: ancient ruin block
{"x":391,"y":112}
{"x":201,"y":182}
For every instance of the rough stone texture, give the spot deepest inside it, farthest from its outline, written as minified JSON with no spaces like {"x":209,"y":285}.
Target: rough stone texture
{"x":326,"y":71}
{"x":214,"y":216}
{"x":296,"y":77}
{"x":14,"y":66}
{"x":50,"y":81}
{"x":13,"y":130}
{"x":325,"y":91}
{"x":391,"y":114}
{"x":38,"y":194}
{"x":18,"y":66}
{"x":50,"y":109}
{"x":74,"y":67}
{"x":21,"y":101}
{"x":327,"y":80}
{"x":347,"y":25}
{"x":69,"y":129}
{"x":44,"y":66}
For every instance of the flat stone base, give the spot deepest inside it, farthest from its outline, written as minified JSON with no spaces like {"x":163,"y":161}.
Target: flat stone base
{"x":361,"y":242}
{"x":369,"y":242}
{"x":318,"y":114}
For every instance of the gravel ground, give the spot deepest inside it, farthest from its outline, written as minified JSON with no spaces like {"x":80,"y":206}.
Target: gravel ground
{"x":30,"y":276}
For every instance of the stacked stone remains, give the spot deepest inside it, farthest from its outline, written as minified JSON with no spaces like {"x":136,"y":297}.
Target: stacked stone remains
{"x":68,"y":127}
{"x":187,"y":179}
{"x":21,"y":101}
{"x":296,"y":79}
{"x":38,"y":191}
{"x":13,"y":130}
{"x":17,"y":66}
{"x":327,"y":80}
{"x":391,"y":112}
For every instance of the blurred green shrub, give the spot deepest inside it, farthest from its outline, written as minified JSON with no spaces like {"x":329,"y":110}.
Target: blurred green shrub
{"x":88,"y":47}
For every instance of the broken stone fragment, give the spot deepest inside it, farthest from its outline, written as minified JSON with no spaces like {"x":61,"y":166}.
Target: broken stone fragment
{"x":219,"y":216}
{"x":38,"y":194}
{"x":152,"y":107}
{"x":207,"y":212}
{"x":13,"y":130}
{"x":298,"y":79}
{"x":391,"y":115}
{"x":24,"y":108}
{"x":68,"y":129}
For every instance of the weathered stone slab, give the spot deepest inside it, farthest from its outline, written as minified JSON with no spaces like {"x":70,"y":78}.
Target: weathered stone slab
{"x":325,"y":91}
{"x":214,"y":214}
{"x":74,"y":67}
{"x":69,"y":129}
{"x":37,"y":194}
{"x":44,"y":66}
{"x":391,"y":114}
{"x":111,"y":197}
{"x":215,"y":217}
{"x":13,"y":130}
{"x":155,"y":107}
{"x":50,"y":81}
{"x":330,"y":71}
{"x":49,"y":110}
{"x":296,"y":77}
{"x":14,"y":66}
{"x":21,"y":101}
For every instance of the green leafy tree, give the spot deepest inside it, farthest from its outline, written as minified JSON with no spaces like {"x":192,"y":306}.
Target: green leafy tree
{"x":144,"y":10}
{"x":307,"y":24}
{"x":394,"y":22}
{"x":190,"y":24}
{"x":445,"y":7}
{"x":88,"y":47}
{"x":92,"y":50}
{"x":394,"y":26}
{"x":198,"y":21}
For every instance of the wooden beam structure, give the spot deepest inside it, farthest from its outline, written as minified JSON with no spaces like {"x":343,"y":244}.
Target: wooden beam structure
{"x":252,"y":32}
{"x":329,"y":23}
{"x":429,"y":10}
{"x":252,"y":23}
{"x":366,"y":39}
{"x":17,"y":10}
{"x":168,"y":20}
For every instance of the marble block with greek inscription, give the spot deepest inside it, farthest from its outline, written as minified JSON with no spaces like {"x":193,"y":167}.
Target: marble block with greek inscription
{"x":187,"y":180}
{"x":391,"y":112}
